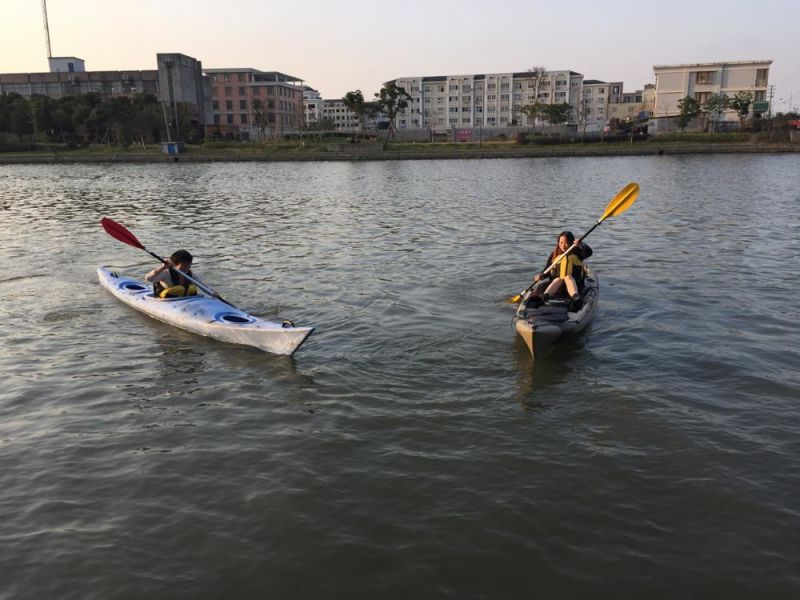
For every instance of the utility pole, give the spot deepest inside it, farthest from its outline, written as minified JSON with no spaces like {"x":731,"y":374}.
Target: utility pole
{"x":46,"y":29}
{"x":771,"y":93}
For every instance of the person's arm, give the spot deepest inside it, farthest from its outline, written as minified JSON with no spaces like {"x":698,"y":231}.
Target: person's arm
{"x":156,"y":274}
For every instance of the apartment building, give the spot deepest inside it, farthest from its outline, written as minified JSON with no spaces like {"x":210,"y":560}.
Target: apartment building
{"x":637,"y":105}
{"x":443,"y":102}
{"x":700,"y":80}
{"x":247,"y":102}
{"x":596,"y":97}
{"x":312,"y":105}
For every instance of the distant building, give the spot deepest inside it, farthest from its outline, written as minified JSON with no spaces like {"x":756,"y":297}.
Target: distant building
{"x":633,"y":106}
{"x":66,"y":64}
{"x":178,"y":81}
{"x":596,"y":97}
{"x":248,"y":103}
{"x":312,"y":105}
{"x":700,"y":80}
{"x":444,"y":102}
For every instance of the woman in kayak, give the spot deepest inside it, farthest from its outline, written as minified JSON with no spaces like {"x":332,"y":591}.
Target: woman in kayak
{"x":168,"y":282}
{"x":570,"y":270}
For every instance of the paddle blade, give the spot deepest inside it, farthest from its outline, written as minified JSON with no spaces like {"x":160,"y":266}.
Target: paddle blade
{"x":119,"y":232}
{"x":514,"y":299}
{"x":622,"y":201}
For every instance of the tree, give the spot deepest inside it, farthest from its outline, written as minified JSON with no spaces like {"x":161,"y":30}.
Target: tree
{"x":259,"y":119}
{"x":557,"y":114}
{"x":741,"y":104}
{"x":534,"y":111}
{"x":714,"y":107}
{"x":535,"y":76}
{"x":391,"y":100}
{"x":689,"y":109}
{"x":354,"y":101}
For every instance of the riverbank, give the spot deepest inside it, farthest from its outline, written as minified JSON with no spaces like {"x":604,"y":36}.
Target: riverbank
{"x":397,"y":151}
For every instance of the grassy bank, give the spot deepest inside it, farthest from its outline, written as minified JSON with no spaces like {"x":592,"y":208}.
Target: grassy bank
{"x":343,"y":150}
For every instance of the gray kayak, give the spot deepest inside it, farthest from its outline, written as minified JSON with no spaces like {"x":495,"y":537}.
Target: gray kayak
{"x":542,"y":326}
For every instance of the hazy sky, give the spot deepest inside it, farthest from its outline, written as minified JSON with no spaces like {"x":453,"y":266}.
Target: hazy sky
{"x":338,"y":46}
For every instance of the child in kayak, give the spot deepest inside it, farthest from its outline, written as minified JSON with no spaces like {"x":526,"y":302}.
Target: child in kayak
{"x":167,"y":282}
{"x":569,"y":272}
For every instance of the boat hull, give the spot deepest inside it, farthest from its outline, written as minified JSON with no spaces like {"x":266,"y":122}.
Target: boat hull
{"x":206,"y":316}
{"x":542,"y":327}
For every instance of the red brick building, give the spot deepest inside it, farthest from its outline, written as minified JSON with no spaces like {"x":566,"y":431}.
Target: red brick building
{"x":247,"y":103}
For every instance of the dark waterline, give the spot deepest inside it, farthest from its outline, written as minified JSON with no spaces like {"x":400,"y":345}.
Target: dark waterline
{"x":410,"y":449}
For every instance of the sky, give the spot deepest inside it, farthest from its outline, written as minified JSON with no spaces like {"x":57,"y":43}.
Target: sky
{"x":342,"y":45}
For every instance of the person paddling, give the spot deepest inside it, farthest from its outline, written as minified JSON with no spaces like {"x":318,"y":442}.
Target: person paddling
{"x":569,"y":272}
{"x":167,"y":280}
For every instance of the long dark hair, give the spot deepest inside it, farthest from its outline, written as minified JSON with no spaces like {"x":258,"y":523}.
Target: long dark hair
{"x":570,"y":240}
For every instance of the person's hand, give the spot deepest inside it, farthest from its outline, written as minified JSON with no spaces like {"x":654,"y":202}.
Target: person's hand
{"x":167,"y":264}
{"x":537,"y":278}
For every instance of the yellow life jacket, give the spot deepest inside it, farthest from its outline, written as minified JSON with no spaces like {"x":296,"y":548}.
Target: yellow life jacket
{"x":567,"y":266}
{"x":177,"y":291}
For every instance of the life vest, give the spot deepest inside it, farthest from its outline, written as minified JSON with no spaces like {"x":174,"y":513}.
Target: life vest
{"x":176,"y":290}
{"x":572,"y":265}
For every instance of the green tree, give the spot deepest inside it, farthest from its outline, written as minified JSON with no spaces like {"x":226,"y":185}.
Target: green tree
{"x":557,"y":114}
{"x":391,"y":100}
{"x":741,"y":104}
{"x":689,"y":109}
{"x":534,"y":111}
{"x":19,"y":120}
{"x":354,"y":101}
{"x":714,"y":107}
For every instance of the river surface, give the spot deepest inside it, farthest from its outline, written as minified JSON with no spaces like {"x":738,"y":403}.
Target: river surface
{"x":410,"y":449}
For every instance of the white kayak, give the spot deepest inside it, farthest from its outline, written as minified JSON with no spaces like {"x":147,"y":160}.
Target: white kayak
{"x":206,"y":316}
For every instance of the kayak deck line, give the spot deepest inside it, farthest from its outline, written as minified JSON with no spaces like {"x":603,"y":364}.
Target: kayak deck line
{"x":207,"y":316}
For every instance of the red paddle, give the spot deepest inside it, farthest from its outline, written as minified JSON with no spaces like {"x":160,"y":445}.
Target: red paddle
{"x":121,"y":233}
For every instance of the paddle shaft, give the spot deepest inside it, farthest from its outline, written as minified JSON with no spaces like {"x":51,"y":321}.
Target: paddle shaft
{"x":207,"y":290}
{"x":121,"y":233}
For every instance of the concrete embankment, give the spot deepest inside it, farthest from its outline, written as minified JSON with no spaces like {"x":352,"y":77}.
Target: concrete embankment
{"x":635,"y":149}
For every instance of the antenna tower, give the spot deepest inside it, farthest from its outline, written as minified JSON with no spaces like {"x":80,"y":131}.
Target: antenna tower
{"x":46,"y":28}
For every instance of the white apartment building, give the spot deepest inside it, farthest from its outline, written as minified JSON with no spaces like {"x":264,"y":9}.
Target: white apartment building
{"x":312,"y":105}
{"x":700,"y":80}
{"x":444,"y":102}
{"x":596,"y":97}
{"x":333,"y":111}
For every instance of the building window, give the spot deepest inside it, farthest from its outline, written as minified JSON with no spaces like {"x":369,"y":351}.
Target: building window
{"x":229,"y":118}
{"x":243,"y":118}
{"x":216,"y":119}
{"x":215,"y":104}
{"x":703,"y":77}
{"x":228,"y":104}
{"x":228,"y":91}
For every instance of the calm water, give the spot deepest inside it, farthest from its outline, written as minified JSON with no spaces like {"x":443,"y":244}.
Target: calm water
{"x":410,"y":449}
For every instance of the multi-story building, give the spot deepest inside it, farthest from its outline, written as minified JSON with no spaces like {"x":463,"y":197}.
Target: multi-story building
{"x":444,"y":102}
{"x":249,"y":103}
{"x":596,"y":97}
{"x":57,"y":84}
{"x":700,"y":80}
{"x":336,"y":113}
{"x":312,"y":101}
{"x":636,"y":105}
{"x":178,"y":81}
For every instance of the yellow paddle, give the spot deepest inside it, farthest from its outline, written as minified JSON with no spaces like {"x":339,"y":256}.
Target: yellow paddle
{"x":618,"y":205}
